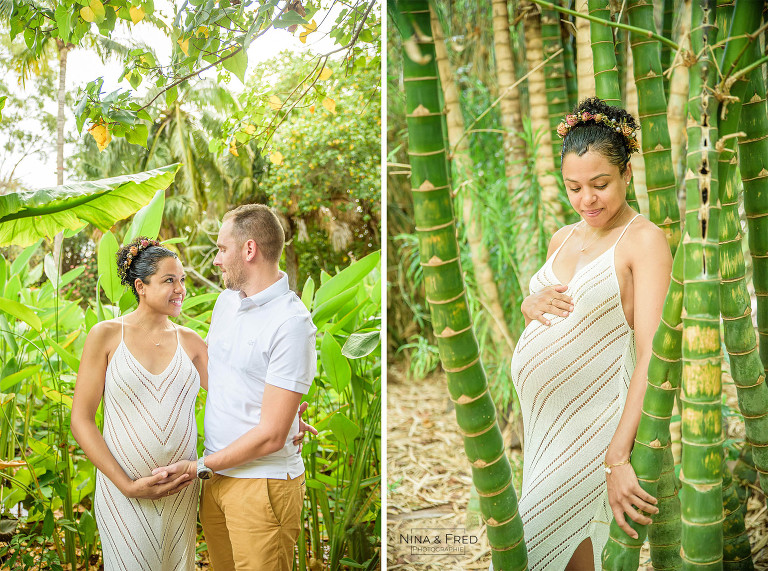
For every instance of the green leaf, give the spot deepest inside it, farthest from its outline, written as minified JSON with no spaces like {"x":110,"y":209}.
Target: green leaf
{"x":289,"y":19}
{"x":71,"y":361}
{"x":51,"y":270}
{"x":147,"y":221}
{"x":308,"y":292}
{"x":325,"y":311}
{"x":350,"y":563}
{"x":190,"y":302}
{"x":48,"y":523}
{"x":22,"y":312}
{"x":171,"y":95}
{"x":348,"y":277}
{"x":62,"y":16}
{"x":361,"y":344}
{"x":237,"y":64}
{"x":335,"y":365}
{"x":20,"y":262}
{"x":345,"y":430}
{"x":138,"y":135}
{"x":109,"y":279}
{"x":87,"y":527}
{"x":15,"y":378}
{"x":57,"y":397}
{"x":127,"y":301}
{"x":27,"y":216}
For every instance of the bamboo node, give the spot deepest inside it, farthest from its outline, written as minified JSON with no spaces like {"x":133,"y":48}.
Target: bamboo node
{"x":426,"y":185}
{"x":659,"y":147}
{"x":421,"y":111}
{"x":434,"y":261}
{"x":666,"y":385}
{"x":763,"y":172}
{"x":755,"y":98}
{"x":655,"y":443}
{"x":651,"y":74}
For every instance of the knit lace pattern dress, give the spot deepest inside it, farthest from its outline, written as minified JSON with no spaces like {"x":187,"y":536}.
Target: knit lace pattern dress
{"x":572,"y":379}
{"x":149,"y":421}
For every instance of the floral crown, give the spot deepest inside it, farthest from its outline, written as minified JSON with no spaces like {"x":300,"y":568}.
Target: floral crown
{"x":625,"y":129}
{"x":133,"y":251}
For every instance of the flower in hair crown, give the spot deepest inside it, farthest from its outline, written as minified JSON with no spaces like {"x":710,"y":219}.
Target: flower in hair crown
{"x":134,"y":251}
{"x":622,"y":127}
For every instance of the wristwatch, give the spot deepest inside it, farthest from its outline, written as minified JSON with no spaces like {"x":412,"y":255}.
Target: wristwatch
{"x":203,"y":471}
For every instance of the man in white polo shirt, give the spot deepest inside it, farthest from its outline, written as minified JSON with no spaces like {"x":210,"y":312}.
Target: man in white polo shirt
{"x":261,"y":360}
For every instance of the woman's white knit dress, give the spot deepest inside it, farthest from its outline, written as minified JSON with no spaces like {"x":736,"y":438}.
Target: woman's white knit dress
{"x":572,"y":379}
{"x":149,"y":421}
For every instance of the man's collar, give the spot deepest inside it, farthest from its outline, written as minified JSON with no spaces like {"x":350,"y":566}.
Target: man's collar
{"x":266,"y":295}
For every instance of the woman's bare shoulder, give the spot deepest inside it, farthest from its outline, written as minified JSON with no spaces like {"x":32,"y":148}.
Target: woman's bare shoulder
{"x":191,"y":340}
{"x":645,"y":242}
{"x":559,"y":237}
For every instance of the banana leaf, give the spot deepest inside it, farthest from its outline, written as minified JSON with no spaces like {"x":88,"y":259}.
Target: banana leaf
{"x":27,"y":216}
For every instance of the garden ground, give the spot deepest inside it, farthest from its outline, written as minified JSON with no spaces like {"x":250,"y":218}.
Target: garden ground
{"x":429,"y":481}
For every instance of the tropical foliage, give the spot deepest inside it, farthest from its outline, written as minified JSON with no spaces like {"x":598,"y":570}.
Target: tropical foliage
{"x":47,"y":484}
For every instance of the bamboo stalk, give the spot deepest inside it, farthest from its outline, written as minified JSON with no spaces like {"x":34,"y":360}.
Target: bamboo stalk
{"x":446,"y":295}
{"x":700,"y":475}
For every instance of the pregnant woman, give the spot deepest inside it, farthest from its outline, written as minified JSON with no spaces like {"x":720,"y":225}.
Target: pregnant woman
{"x":580,"y":365}
{"x":148,"y":371}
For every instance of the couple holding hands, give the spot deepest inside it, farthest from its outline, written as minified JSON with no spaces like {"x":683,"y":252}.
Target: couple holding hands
{"x":257,"y":361}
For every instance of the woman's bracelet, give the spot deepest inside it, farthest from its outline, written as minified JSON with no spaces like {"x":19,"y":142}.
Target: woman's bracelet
{"x":607,"y":467}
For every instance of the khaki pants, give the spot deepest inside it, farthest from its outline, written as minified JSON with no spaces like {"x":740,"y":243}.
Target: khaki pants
{"x":251,"y":524}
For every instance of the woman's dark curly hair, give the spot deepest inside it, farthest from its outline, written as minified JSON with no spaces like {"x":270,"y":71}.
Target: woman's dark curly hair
{"x":597,"y":136}
{"x":139,"y":259}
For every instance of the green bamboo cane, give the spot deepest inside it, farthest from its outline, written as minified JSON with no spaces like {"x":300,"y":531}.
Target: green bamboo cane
{"x":569,"y":62}
{"x":606,"y":70}
{"x":753,"y":165}
{"x":446,"y":293}
{"x":701,"y":478}
{"x":664,"y":531}
{"x":737,"y":552}
{"x":667,"y":21}
{"x":554,"y":77}
{"x":754,"y":176}
{"x":652,"y":443}
{"x":652,"y":108}
{"x":736,"y":308}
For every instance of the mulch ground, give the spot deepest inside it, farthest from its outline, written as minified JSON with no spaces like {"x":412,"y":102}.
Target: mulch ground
{"x":429,"y":482}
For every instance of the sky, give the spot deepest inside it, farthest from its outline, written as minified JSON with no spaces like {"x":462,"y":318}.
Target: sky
{"x":84,"y":66}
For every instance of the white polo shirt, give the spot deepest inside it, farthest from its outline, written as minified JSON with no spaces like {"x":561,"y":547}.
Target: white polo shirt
{"x":268,"y":338}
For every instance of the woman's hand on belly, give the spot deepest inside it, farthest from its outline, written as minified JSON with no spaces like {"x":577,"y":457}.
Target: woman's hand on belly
{"x":625,"y":496}
{"x":551,"y":299}
{"x":155,"y":487}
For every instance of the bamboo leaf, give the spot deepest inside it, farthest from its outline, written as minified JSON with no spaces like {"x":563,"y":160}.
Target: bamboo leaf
{"x":22,"y":312}
{"x":27,"y":216}
{"x":107,"y":267}
{"x":191,"y":302}
{"x":335,"y":365}
{"x":361,"y":344}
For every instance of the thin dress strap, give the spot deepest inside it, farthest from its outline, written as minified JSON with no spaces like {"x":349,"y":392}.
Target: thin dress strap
{"x":122,"y":326}
{"x":625,"y":228}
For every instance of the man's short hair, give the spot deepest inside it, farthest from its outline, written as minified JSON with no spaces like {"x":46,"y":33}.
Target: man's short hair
{"x":257,"y":222}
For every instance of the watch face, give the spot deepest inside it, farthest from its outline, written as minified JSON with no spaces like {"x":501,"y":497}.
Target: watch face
{"x":205,"y":473}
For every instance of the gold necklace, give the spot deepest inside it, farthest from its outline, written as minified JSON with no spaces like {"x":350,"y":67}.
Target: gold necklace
{"x":157,"y":343}
{"x":585,"y":246}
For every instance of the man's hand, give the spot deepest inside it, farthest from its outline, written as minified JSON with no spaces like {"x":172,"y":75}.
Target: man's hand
{"x":157,"y":486}
{"x":298,"y":440}
{"x":187,"y":468}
